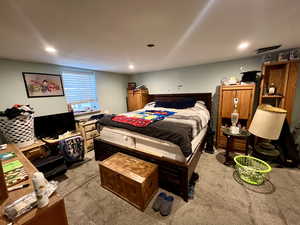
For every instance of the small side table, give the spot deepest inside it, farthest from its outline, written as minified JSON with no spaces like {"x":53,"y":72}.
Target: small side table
{"x":244,"y":134}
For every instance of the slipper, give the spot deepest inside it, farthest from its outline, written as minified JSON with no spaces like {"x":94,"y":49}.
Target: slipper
{"x":191,"y":191}
{"x":158,"y":201}
{"x":194,"y":178}
{"x":166,"y":206}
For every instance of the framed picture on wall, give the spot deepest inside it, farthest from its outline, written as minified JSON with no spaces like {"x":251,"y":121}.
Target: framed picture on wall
{"x":43,"y":85}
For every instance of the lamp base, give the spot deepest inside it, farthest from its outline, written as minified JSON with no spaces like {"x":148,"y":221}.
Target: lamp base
{"x":266,"y":150}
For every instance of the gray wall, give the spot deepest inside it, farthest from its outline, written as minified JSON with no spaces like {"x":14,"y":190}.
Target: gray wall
{"x":111,"y":88}
{"x":200,"y":78}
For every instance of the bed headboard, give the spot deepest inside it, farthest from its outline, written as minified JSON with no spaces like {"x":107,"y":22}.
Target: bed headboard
{"x":206,"y":97}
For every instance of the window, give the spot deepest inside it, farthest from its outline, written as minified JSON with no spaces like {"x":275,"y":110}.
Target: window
{"x":80,"y":91}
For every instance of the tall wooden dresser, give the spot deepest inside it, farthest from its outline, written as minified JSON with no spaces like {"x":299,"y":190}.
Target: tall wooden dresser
{"x":137,"y":99}
{"x":246,"y":95}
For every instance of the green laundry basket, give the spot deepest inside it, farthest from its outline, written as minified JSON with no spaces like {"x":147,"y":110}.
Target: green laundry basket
{"x":251,"y":170}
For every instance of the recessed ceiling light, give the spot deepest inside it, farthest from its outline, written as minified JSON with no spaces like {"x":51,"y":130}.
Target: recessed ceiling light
{"x":131,"y":66}
{"x":150,"y":45}
{"x":243,"y":45}
{"x":50,"y":49}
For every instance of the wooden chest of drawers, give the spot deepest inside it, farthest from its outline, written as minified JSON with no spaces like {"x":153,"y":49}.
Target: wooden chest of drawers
{"x":35,"y":151}
{"x":88,"y":132}
{"x":132,"y":179}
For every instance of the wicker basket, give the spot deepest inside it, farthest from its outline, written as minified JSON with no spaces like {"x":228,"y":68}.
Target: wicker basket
{"x":251,"y":170}
{"x":18,"y":130}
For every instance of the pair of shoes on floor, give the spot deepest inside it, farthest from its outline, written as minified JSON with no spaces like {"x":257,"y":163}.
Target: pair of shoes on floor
{"x":163,"y":203}
{"x":194,"y":178}
{"x":191,"y":191}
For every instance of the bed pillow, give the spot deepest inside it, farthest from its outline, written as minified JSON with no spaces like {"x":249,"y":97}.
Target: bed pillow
{"x":180,"y":104}
{"x":150,"y":105}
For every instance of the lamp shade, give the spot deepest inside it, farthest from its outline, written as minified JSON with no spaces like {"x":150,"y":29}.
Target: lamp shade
{"x":267,"y":122}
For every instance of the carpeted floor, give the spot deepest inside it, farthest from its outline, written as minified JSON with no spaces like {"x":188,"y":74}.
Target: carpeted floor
{"x":219,"y":199}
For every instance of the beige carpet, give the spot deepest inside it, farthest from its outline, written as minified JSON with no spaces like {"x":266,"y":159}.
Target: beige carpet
{"x":219,"y":199}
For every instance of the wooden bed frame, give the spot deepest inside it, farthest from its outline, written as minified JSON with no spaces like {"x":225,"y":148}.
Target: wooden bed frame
{"x":174,"y":176}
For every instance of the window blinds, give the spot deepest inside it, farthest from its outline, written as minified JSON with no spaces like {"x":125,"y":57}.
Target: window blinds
{"x":80,"y":87}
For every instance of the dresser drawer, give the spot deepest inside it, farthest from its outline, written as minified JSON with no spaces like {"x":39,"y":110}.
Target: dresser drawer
{"x":91,"y":134}
{"x":35,"y":153}
{"x":238,"y":144}
{"x":90,"y":144}
{"x":90,"y":127}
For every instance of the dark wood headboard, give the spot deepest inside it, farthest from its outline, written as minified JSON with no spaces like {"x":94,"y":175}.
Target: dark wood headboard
{"x":206,"y":97}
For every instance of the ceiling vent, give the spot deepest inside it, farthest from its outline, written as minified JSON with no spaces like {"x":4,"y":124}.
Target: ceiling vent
{"x":267,"y":49}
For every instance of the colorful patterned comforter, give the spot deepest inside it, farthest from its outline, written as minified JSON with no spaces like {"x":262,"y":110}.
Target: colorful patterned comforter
{"x":142,"y":118}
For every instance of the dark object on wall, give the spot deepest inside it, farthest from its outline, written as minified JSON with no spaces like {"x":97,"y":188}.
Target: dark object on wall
{"x":250,"y":76}
{"x":266,"y":49}
{"x":289,"y":155}
{"x":43,"y":85}
{"x":131,"y":85}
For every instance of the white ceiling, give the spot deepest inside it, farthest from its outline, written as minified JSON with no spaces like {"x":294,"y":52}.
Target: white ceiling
{"x":109,"y":35}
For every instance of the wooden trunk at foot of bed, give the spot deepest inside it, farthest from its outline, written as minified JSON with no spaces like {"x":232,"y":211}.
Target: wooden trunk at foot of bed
{"x":173,"y":176}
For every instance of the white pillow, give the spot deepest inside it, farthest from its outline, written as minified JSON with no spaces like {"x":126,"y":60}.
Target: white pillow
{"x":150,"y":105}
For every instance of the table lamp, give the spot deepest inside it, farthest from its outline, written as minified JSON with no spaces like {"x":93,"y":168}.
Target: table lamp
{"x":267,"y":124}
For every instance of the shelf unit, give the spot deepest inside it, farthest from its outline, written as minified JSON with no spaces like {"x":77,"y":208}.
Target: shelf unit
{"x":284,"y":76}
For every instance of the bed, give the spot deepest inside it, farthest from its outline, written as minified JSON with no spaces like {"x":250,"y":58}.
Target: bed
{"x":175,"y":167}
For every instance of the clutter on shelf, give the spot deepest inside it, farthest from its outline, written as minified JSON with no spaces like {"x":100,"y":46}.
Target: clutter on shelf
{"x":282,"y":56}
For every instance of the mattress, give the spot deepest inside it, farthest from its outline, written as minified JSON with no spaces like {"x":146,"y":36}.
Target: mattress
{"x":150,"y":145}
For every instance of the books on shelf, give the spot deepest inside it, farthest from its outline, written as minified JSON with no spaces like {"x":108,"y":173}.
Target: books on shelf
{"x":14,"y":173}
{"x":7,"y":155}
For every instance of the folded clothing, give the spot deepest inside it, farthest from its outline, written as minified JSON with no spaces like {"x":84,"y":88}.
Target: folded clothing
{"x":137,"y":122}
{"x":17,"y":110}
